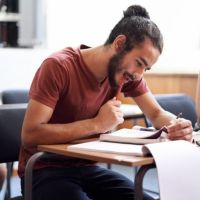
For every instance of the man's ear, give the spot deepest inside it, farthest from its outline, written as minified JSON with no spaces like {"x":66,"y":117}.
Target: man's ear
{"x":119,"y":42}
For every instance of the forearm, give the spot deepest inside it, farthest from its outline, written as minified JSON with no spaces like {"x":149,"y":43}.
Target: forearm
{"x":36,"y":130}
{"x":59,"y":133}
{"x":162,"y":118}
{"x":157,"y":115}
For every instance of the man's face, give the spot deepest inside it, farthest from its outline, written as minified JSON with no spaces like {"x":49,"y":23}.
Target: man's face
{"x":135,"y":63}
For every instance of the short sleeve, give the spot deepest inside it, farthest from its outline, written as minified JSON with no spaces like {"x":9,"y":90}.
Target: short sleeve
{"x":49,"y":82}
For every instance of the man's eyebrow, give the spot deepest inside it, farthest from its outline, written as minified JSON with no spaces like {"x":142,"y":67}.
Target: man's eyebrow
{"x":144,"y":61}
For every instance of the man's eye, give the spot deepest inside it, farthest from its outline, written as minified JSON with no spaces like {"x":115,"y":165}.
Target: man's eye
{"x":139,"y":64}
{"x":147,"y":69}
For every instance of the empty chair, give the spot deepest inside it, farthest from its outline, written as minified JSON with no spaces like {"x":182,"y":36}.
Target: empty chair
{"x":177,"y":103}
{"x":14,"y":96}
{"x":11,"y":119}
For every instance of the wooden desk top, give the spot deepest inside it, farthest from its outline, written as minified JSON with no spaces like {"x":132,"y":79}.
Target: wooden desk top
{"x":111,"y":158}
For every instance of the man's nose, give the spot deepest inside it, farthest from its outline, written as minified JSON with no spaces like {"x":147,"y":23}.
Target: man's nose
{"x":139,"y":74}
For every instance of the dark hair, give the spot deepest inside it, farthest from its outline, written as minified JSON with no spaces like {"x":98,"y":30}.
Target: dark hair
{"x":136,"y":26}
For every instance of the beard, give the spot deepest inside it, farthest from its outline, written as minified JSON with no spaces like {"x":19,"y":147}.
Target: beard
{"x":114,"y":66}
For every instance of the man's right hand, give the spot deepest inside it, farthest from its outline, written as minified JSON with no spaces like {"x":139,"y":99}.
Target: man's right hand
{"x":109,"y":116}
{"x":36,"y":129}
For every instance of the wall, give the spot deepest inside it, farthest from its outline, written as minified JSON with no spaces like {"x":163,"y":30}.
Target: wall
{"x":18,"y":66}
{"x":172,"y":83}
{"x":169,"y":83}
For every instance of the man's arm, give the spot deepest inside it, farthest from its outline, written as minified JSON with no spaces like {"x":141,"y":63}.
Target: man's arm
{"x":36,"y":129}
{"x":177,"y":128}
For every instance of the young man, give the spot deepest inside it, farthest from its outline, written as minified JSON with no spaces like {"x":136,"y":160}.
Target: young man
{"x":73,"y":96}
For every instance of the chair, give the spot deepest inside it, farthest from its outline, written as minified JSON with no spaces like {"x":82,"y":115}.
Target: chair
{"x":177,"y":103}
{"x":11,"y":118}
{"x":14,"y":96}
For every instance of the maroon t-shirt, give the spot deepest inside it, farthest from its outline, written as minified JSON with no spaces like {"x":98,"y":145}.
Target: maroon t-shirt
{"x":65,"y":83}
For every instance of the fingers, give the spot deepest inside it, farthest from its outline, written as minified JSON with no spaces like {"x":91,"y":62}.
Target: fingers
{"x":110,"y":115}
{"x":116,"y":110}
{"x":179,"y":124}
{"x":115,"y":102}
{"x":180,"y":129}
{"x":183,"y":134}
{"x":120,"y":119}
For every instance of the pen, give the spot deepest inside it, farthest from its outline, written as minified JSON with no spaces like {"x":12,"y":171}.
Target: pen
{"x":179,"y":115}
{"x":119,"y":91}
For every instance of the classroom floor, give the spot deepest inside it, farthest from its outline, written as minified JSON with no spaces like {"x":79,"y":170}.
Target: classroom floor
{"x":150,"y":181}
{"x":15,"y":188}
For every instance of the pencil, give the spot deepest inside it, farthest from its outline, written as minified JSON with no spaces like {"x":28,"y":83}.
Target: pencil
{"x":119,"y":91}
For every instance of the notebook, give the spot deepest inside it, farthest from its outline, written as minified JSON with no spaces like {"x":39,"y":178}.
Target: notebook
{"x":111,"y":147}
{"x":134,"y":136}
{"x":123,"y":141}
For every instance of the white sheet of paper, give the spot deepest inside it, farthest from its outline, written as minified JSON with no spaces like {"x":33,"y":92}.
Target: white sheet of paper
{"x":178,"y":167}
{"x":111,"y":147}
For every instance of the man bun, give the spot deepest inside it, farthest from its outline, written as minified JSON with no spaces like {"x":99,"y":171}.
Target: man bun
{"x":136,"y":25}
{"x":136,"y":10}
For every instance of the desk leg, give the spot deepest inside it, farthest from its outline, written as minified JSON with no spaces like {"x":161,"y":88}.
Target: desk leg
{"x":139,"y":181}
{"x":29,"y":171}
{"x":28,"y":174}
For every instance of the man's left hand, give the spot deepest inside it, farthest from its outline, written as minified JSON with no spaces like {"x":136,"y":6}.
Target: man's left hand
{"x":180,"y":129}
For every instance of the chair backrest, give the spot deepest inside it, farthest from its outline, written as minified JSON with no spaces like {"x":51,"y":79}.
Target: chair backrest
{"x":178,"y":103}
{"x":11,"y":119}
{"x":14,"y":96}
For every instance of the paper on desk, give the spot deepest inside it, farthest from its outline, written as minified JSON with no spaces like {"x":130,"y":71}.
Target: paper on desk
{"x":178,"y":167}
{"x":111,"y":147}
